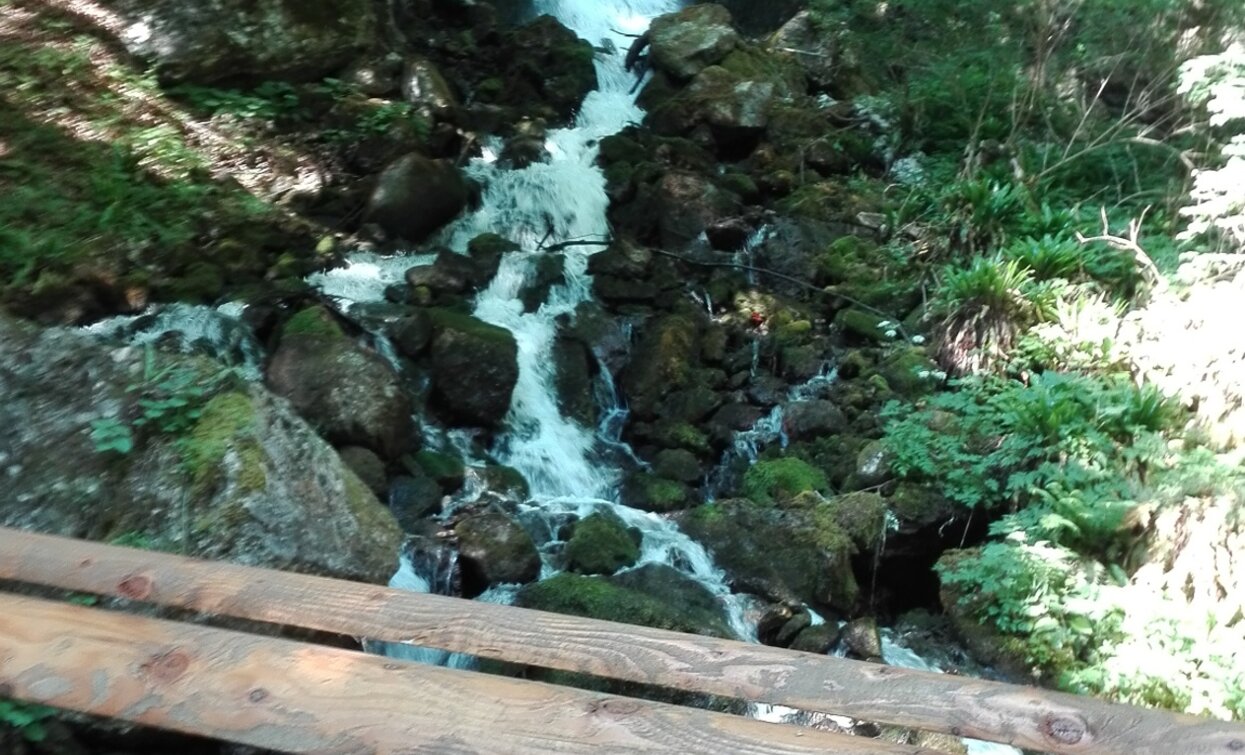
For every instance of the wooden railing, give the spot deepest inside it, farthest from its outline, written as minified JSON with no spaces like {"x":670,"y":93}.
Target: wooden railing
{"x":297,"y":697}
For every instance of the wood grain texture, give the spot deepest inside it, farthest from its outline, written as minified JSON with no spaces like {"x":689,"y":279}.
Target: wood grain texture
{"x":1023,"y":716}
{"x":300,"y":698}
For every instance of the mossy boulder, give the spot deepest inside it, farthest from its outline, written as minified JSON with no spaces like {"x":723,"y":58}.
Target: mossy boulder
{"x":663,"y":360}
{"x":494,"y":549}
{"x":653,"y":596}
{"x":349,"y":393}
{"x":549,"y":70}
{"x":647,"y":492}
{"x":868,"y":326}
{"x":678,"y":464}
{"x":910,"y":372}
{"x":601,"y":544}
{"x":797,"y":553}
{"x":221,"y":488}
{"x":781,"y":479}
{"x":683,"y":44}
{"x":474,"y":368}
{"x":446,"y":469}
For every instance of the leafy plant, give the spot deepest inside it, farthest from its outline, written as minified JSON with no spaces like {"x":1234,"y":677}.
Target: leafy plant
{"x":170,"y":399}
{"x":26,"y":718}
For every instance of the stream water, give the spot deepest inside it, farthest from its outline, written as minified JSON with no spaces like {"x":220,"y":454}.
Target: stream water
{"x":572,"y":469}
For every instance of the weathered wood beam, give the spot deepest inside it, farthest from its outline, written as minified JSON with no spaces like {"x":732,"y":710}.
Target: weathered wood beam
{"x":293,"y":697}
{"x":1026,"y":717}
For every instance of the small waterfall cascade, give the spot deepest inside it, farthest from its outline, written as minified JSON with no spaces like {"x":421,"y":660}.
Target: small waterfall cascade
{"x":570,"y":468}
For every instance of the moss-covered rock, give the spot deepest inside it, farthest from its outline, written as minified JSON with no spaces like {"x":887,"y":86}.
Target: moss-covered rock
{"x":651,"y":493}
{"x":221,"y":488}
{"x":351,"y":394}
{"x":447,"y":470}
{"x":474,"y":368}
{"x":660,"y":598}
{"x":684,"y":43}
{"x":601,"y":544}
{"x":663,"y":360}
{"x":910,"y":372}
{"x":781,"y":479}
{"x":796,"y":553}
{"x":862,"y":516}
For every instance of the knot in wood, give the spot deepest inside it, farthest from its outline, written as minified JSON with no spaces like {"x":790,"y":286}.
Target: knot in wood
{"x":166,"y":667}
{"x":258,"y":695}
{"x":135,"y":587}
{"x":1236,"y":745}
{"x":6,"y":690}
{"x":1065,"y":730}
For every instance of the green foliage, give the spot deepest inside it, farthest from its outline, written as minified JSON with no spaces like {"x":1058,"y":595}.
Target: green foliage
{"x":269,"y":101}
{"x":781,"y":479}
{"x":26,"y":718}
{"x":170,"y":400}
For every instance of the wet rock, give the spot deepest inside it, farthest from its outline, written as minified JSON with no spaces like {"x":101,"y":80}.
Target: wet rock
{"x":526,"y":146}
{"x":807,"y":420}
{"x":548,"y":64}
{"x":450,"y":275}
{"x":474,"y":368}
{"x":413,"y":501}
{"x":446,"y":469}
{"x":415,"y":196}
{"x":412,"y":334}
{"x":767,"y":390}
{"x":494,"y":550}
{"x":731,"y":419}
{"x":820,"y":639}
{"x":688,"y":204}
{"x":261,"y":39}
{"x":350,"y":394}
{"x":549,"y":270}
{"x":728,"y":234}
{"x":424,"y":87}
{"x":862,"y":639}
{"x":231,"y":469}
{"x":794,"y":626}
{"x":691,"y":404}
{"x":683,"y":44}
{"x":663,"y":360}
{"x":573,"y":380}
{"x":601,"y":544}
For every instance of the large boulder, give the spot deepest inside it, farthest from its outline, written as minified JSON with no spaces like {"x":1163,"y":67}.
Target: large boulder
{"x":494,"y":550}
{"x":812,"y":49}
{"x":601,"y":544}
{"x":790,"y":554}
{"x":240,"y":478}
{"x":474,"y":368}
{"x":416,"y":195}
{"x":654,"y":595}
{"x":683,"y":44}
{"x":349,"y":393}
{"x":207,"y":41}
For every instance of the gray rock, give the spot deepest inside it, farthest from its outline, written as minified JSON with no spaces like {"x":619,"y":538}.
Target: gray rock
{"x":424,"y":87}
{"x":249,"y":481}
{"x":415,"y":196}
{"x":683,"y":44}
{"x":819,"y":639}
{"x":368,"y":466}
{"x":813,"y":50}
{"x":206,"y":41}
{"x":413,"y":500}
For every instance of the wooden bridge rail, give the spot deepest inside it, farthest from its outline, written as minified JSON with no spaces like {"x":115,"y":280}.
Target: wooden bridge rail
{"x":1026,"y":717}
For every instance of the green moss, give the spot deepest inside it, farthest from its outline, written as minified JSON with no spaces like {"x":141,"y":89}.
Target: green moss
{"x":683,"y":435}
{"x":372,"y":516}
{"x":782,"y":479}
{"x":595,"y":597}
{"x":651,"y":493}
{"x":601,"y":544}
{"x":447,"y":470}
{"x":313,"y":321}
{"x":227,"y":423}
{"x":861,"y":515}
{"x":447,"y":319}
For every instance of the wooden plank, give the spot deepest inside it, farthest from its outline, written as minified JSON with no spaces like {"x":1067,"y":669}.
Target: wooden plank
{"x":300,"y":698}
{"x":1026,"y":717}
